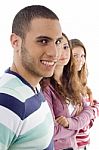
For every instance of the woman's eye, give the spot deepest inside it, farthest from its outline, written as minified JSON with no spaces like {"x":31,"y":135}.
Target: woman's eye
{"x":65,"y":47}
{"x":83,"y":56}
{"x":75,"y":56}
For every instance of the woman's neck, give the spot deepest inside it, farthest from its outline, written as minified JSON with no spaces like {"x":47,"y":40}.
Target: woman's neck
{"x":58,"y":74}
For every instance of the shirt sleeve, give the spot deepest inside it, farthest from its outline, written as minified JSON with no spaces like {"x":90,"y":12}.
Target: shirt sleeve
{"x":8,"y":123}
{"x":59,"y":131}
{"x":83,"y":119}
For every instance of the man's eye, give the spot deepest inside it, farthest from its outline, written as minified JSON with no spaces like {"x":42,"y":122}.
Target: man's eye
{"x":58,"y":42}
{"x":44,"y":41}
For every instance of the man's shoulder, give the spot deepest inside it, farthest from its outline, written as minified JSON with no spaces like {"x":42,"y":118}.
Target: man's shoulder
{"x":12,"y":86}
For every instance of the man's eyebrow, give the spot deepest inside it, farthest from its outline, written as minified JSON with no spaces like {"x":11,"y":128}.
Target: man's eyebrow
{"x":49,"y":38}
{"x":60,"y":38}
{"x":44,"y":37}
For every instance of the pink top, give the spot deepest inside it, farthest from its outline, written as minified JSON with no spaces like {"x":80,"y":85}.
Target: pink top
{"x":66,"y":137}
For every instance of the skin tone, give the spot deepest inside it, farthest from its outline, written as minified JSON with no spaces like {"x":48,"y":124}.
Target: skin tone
{"x":36,"y":56}
{"x":79,"y":56}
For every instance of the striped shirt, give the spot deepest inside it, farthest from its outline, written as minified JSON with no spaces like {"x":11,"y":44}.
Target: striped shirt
{"x":83,"y":136}
{"x":25,"y":118}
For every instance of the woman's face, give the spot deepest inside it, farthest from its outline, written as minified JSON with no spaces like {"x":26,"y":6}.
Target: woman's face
{"x":65,"y":55}
{"x":79,"y":56}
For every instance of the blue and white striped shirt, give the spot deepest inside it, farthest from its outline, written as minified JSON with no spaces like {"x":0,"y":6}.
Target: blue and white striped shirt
{"x":25,"y":118}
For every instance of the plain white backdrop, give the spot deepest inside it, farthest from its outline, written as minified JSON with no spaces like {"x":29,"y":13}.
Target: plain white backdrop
{"x":79,"y":19}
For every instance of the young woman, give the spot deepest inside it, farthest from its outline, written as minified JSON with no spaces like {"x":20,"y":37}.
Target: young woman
{"x":62,"y":91}
{"x":79,"y":53}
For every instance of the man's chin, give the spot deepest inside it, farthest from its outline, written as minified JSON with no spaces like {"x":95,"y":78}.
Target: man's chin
{"x":48,"y":74}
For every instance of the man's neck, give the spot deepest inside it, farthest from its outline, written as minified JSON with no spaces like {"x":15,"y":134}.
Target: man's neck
{"x":32,"y":80}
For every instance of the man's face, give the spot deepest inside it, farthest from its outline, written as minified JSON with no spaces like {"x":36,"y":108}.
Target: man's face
{"x":41,"y":47}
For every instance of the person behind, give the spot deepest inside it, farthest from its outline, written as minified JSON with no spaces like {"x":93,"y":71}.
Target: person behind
{"x":79,"y":53}
{"x":61,"y":92}
{"x":25,"y":118}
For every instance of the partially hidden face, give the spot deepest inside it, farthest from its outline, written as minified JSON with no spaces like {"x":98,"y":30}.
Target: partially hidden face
{"x":79,"y":56}
{"x":41,"y":48}
{"x":65,"y":55}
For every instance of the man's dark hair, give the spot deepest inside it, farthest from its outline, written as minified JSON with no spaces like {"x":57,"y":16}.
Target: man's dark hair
{"x":22,"y":21}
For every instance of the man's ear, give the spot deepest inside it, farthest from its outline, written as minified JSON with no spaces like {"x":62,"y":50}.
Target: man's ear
{"x":15,"y":41}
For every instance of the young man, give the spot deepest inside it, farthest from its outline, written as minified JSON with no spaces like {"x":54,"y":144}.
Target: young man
{"x":25,"y":118}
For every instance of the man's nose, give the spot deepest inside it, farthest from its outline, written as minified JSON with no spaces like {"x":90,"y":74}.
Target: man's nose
{"x":54,"y":51}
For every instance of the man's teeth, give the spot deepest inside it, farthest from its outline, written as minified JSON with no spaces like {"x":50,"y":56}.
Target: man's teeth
{"x":47,"y":63}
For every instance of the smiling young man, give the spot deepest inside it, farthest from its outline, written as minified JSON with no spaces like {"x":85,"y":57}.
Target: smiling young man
{"x":25,"y":119}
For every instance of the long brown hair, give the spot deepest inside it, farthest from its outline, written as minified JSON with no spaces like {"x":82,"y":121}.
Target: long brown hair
{"x":83,"y":73}
{"x":70,"y":88}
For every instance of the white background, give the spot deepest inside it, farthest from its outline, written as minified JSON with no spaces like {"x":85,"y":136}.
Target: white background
{"x":79,"y":19}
